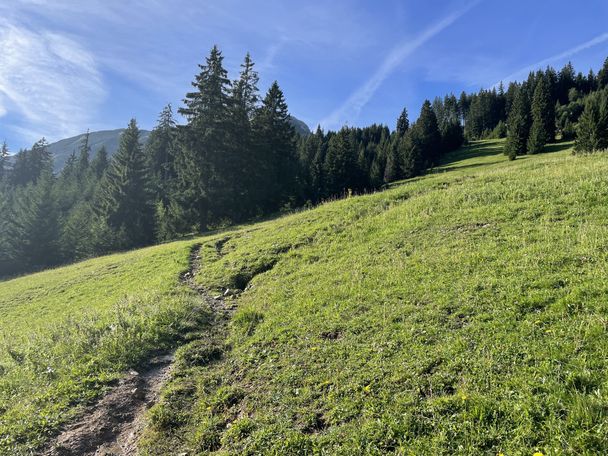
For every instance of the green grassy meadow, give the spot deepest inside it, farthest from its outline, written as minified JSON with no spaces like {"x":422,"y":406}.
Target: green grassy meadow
{"x":67,"y":334}
{"x":463,"y":312}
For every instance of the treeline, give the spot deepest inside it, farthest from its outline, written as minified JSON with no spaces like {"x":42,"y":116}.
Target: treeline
{"x":548,"y":105}
{"x":236,"y":158}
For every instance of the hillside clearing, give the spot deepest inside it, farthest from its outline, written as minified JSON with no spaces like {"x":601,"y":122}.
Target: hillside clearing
{"x":458,"y":313}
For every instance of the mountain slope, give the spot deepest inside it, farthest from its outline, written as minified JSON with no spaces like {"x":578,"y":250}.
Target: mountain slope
{"x":462,"y":312}
{"x":61,"y":150}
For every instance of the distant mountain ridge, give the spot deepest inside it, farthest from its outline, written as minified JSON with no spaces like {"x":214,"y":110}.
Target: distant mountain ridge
{"x":62,"y":150}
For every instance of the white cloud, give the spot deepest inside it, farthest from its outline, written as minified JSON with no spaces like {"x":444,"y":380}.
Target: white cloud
{"x":523,"y":72}
{"x":351,"y":108}
{"x":48,"y":81}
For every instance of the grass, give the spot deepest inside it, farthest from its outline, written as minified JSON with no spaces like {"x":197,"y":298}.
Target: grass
{"x":67,"y":334}
{"x":463,"y":312}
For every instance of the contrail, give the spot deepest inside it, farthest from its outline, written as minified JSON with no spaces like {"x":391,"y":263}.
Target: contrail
{"x":358,"y":99}
{"x":570,"y":52}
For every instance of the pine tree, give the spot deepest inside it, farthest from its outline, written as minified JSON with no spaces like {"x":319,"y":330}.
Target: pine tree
{"x":429,"y":135}
{"x":340,"y":164}
{"x":543,"y":118}
{"x":84,"y":157}
{"x":169,"y":220}
{"x":124,"y":203}
{"x":9,"y":250}
{"x":602,"y":76}
{"x":275,"y":147}
{"x":31,"y":164}
{"x":4,"y":161}
{"x":36,"y":224}
{"x":403,"y":123}
{"x":592,"y":130}
{"x":245,"y":100}
{"x":411,"y":150}
{"x":76,"y":240}
{"x":392,"y":170}
{"x":518,"y":125}
{"x":161,"y":150}
{"x":100,"y":163}
{"x":207,"y":150}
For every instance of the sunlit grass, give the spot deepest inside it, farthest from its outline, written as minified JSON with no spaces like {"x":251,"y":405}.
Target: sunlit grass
{"x":459,"y":313}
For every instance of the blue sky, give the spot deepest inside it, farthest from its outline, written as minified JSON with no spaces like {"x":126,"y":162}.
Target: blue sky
{"x":68,"y":65}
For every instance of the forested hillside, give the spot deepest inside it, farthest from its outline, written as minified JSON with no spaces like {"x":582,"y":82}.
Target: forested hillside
{"x":238,"y":158}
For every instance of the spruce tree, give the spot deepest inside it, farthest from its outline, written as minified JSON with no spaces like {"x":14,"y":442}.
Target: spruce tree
{"x":428,"y":135}
{"x":543,"y":118}
{"x":4,"y":162}
{"x":403,"y":123}
{"x":161,"y":150}
{"x":602,"y":76}
{"x":76,"y":240}
{"x":518,"y":125}
{"x":84,"y":157}
{"x":392,"y":170}
{"x":36,"y":224}
{"x":100,"y":163}
{"x":275,"y":149}
{"x":206,"y":155}
{"x":410,"y":150}
{"x":340,"y":164}
{"x":592,"y":130}
{"x":9,"y":241}
{"x":124,"y":203}
{"x":245,"y":100}
{"x":31,"y":164}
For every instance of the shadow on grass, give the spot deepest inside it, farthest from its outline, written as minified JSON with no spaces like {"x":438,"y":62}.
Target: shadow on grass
{"x":445,"y":169}
{"x":478,"y":149}
{"x":558,"y":147}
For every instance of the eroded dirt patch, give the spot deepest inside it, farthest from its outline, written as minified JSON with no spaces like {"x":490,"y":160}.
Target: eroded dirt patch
{"x":113,"y":425}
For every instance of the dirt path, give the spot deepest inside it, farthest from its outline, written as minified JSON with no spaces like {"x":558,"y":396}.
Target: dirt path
{"x":113,"y":425}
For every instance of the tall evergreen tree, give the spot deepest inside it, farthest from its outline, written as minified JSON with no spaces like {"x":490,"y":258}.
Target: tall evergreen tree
{"x":602,"y":76}
{"x":125,"y":203}
{"x":275,"y":149}
{"x":403,"y":123}
{"x":592,"y":131}
{"x":36,"y":224}
{"x":9,"y":239}
{"x":100,"y":162}
{"x":518,"y":125}
{"x":31,"y":164}
{"x":542,"y":130}
{"x":411,"y":151}
{"x":207,"y":150}
{"x":429,"y":135}
{"x":4,"y":161}
{"x":340,"y":164}
{"x":84,"y":157}
{"x":161,"y":150}
{"x":392,"y":170}
{"x":245,"y":100}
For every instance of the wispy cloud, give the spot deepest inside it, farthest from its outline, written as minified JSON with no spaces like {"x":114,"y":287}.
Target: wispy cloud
{"x":523,"y":72}
{"x":49,"y":83}
{"x":351,"y":108}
